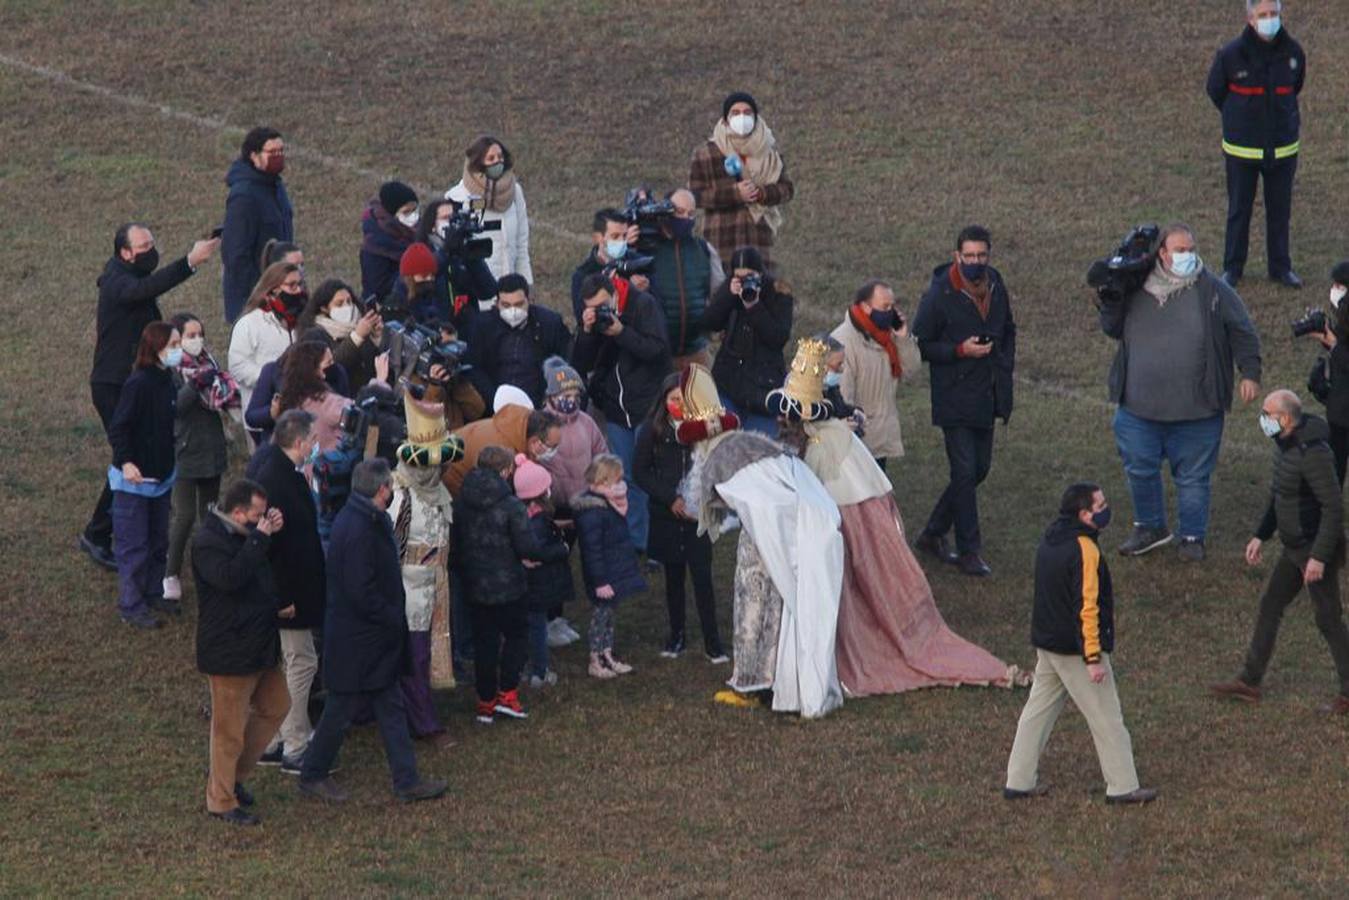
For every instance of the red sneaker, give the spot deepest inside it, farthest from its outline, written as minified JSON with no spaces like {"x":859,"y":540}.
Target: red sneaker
{"x":485,"y":710}
{"x":508,"y":704}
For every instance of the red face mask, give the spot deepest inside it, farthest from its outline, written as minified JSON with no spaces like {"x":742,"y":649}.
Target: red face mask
{"x":675,"y":409}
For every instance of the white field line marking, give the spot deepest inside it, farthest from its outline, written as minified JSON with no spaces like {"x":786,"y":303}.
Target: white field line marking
{"x":211,"y":123}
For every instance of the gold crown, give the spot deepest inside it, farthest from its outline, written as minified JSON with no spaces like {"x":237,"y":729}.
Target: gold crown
{"x":699,"y":395}
{"x":426,"y":428}
{"x":805,"y":376}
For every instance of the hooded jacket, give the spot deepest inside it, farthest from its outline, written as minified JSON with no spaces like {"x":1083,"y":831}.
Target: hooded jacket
{"x":967,"y":391}
{"x":607,"y":554}
{"x":257,"y":210}
{"x":383,"y":240}
{"x":504,"y":429}
{"x":1074,"y":603}
{"x":492,"y":535}
{"x":749,"y":362}
{"x":1305,"y":503}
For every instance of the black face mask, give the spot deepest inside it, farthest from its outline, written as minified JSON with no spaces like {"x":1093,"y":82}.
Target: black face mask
{"x":145,"y":263}
{"x":295,"y":301}
{"x":885,"y":320}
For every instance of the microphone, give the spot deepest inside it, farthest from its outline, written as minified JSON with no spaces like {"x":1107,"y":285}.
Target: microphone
{"x":735,"y":168}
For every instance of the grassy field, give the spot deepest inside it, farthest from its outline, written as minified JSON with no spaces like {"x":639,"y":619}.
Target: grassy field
{"x":1058,"y":124}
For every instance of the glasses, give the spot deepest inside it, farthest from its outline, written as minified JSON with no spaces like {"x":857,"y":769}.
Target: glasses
{"x":974,"y":257}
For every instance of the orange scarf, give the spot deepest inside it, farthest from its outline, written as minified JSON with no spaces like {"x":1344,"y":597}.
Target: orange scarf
{"x":857,"y":313}
{"x":979,"y":293}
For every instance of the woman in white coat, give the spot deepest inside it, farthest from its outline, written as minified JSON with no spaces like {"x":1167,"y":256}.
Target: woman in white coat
{"x":489,"y":177}
{"x":263,"y":332}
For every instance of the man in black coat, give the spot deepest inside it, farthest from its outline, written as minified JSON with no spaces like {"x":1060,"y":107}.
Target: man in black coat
{"x":237,"y":644}
{"x":622,"y":352}
{"x":508,"y":344}
{"x":128,"y":300}
{"x":965,"y":332}
{"x":1255,"y":81}
{"x":298,"y":568}
{"x":257,"y":210}
{"x":365,"y":636}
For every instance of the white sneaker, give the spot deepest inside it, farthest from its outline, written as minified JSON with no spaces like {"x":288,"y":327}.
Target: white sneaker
{"x":548,"y":680}
{"x":571,"y":634}
{"x":557,"y":635}
{"x":173,"y":588}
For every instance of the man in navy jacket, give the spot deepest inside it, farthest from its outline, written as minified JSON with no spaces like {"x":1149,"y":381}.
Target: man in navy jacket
{"x":257,"y":210}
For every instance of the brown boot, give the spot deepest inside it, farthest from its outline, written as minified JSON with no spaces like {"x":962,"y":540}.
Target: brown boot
{"x":1237,"y":690}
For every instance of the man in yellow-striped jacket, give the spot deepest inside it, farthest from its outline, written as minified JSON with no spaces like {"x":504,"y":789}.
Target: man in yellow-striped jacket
{"x":1073,"y":630}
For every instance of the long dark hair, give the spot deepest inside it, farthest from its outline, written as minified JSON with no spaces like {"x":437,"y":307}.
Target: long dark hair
{"x":322,"y":296}
{"x":300,"y":378}
{"x":659,"y":417}
{"x":426,"y":225}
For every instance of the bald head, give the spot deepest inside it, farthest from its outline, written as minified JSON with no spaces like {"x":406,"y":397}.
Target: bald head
{"x":1283,"y":401}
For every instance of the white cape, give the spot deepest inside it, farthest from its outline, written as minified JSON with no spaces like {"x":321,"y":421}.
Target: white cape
{"x":795,"y":527}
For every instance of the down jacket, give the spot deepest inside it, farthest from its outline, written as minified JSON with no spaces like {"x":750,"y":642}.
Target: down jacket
{"x":607,"y":554}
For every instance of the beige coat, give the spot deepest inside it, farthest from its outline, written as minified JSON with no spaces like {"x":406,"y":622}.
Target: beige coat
{"x":868,"y":385}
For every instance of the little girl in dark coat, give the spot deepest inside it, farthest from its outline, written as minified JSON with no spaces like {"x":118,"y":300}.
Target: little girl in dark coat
{"x":550,"y":584}
{"x":608,"y":559}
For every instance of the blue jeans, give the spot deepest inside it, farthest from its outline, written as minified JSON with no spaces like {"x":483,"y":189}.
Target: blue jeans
{"x":140,"y":528}
{"x":752,"y":421}
{"x":390,"y":713}
{"x":1192,"y":448}
{"x":538,"y":643}
{"x":623,"y":443}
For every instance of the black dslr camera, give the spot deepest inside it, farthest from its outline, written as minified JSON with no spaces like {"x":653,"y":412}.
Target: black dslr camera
{"x":1313,"y":321}
{"x":605,"y":317}
{"x":750,"y":286}
{"x":1116,"y":277}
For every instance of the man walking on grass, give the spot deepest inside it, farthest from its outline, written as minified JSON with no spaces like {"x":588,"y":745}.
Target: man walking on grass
{"x":1073,"y":630}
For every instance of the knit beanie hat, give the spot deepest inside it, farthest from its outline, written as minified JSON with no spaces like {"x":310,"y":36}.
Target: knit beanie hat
{"x":738,"y":97}
{"x":394,"y":195}
{"x":1339,"y":275}
{"x":559,"y":377}
{"x":531,"y":479}
{"x":418,"y":259}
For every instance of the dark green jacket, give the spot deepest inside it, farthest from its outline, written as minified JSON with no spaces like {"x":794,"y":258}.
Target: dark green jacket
{"x":1305,"y":505}
{"x":685,"y":273}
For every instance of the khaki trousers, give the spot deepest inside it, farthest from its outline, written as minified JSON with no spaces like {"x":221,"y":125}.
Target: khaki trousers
{"x":300,"y":662}
{"x":246,"y":711}
{"x":1059,"y":676}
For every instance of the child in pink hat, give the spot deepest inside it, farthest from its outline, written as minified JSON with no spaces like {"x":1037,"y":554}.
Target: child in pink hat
{"x":550,"y":583}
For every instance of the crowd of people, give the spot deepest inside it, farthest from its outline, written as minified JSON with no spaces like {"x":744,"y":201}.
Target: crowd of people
{"x":428,"y":453}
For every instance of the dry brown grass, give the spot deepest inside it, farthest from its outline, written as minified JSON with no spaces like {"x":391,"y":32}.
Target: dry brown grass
{"x":1057,"y":124}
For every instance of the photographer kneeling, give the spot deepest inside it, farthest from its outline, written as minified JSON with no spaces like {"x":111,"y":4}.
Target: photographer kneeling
{"x":1329,"y":378}
{"x":621,"y":351}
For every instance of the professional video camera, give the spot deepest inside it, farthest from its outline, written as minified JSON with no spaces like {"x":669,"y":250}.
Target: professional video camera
{"x":466,"y":222}
{"x":420,"y":348}
{"x":1313,"y":321}
{"x":1116,"y":277}
{"x":648,"y":215}
{"x":371,"y":427}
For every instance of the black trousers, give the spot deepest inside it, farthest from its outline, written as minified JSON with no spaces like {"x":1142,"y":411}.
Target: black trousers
{"x":99,"y":529}
{"x":698,"y":562}
{"x":390,"y":713}
{"x":500,"y":646}
{"x":969,"y":453}
{"x":1339,"y":446}
{"x":1285,"y":583}
{"x":1242,"y":180}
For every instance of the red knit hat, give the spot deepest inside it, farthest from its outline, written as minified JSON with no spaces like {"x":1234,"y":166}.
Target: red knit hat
{"x":418,"y":259}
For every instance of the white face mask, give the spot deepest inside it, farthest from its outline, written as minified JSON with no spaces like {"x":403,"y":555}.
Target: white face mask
{"x":1184,"y":264}
{"x":345,"y":313}
{"x":1336,"y":295}
{"x":408,"y":219}
{"x":194,"y":345}
{"x":514,"y":316}
{"x":742,"y":124}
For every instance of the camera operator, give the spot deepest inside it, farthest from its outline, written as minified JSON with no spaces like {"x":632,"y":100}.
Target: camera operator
{"x":386,"y":232}
{"x":623,"y":354}
{"x":755,"y":311}
{"x":128,"y":300}
{"x":1329,"y":379}
{"x":613,"y":238}
{"x":686,"y":272}
{"x":509,"y":345}
{"x":966,"y":333}
{"x":1179,"y":336}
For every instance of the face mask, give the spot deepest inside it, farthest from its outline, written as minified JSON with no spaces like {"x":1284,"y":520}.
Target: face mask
{"x":742,"y":124}
{"x":676,"y":410}
{"x":173,"y":358}
{"x":833,"y":379}
{"x":1270,"y":426}
{"x":514,"y":316}
{"x":973,"y":271}
{"x":616,"y":491}
{"x":295,"y":300}
{"x":1268,"y":28}
{"x":408,"y":219}
{"x":615,"y":249}
{"x":883,"y":319}
{"x":1337,"y":294}
{"x":495,"y":170}
{"x":1184,"y":264}
{"x":567,"y":406}
{"x":275,"y":165}
{"x":681,"y":228}
{"x":547,"y":454}
{"x":1100,"y":519}
{"x":193,"y":346}
{"x":145,"y":263}
{"x":345,"y":313}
